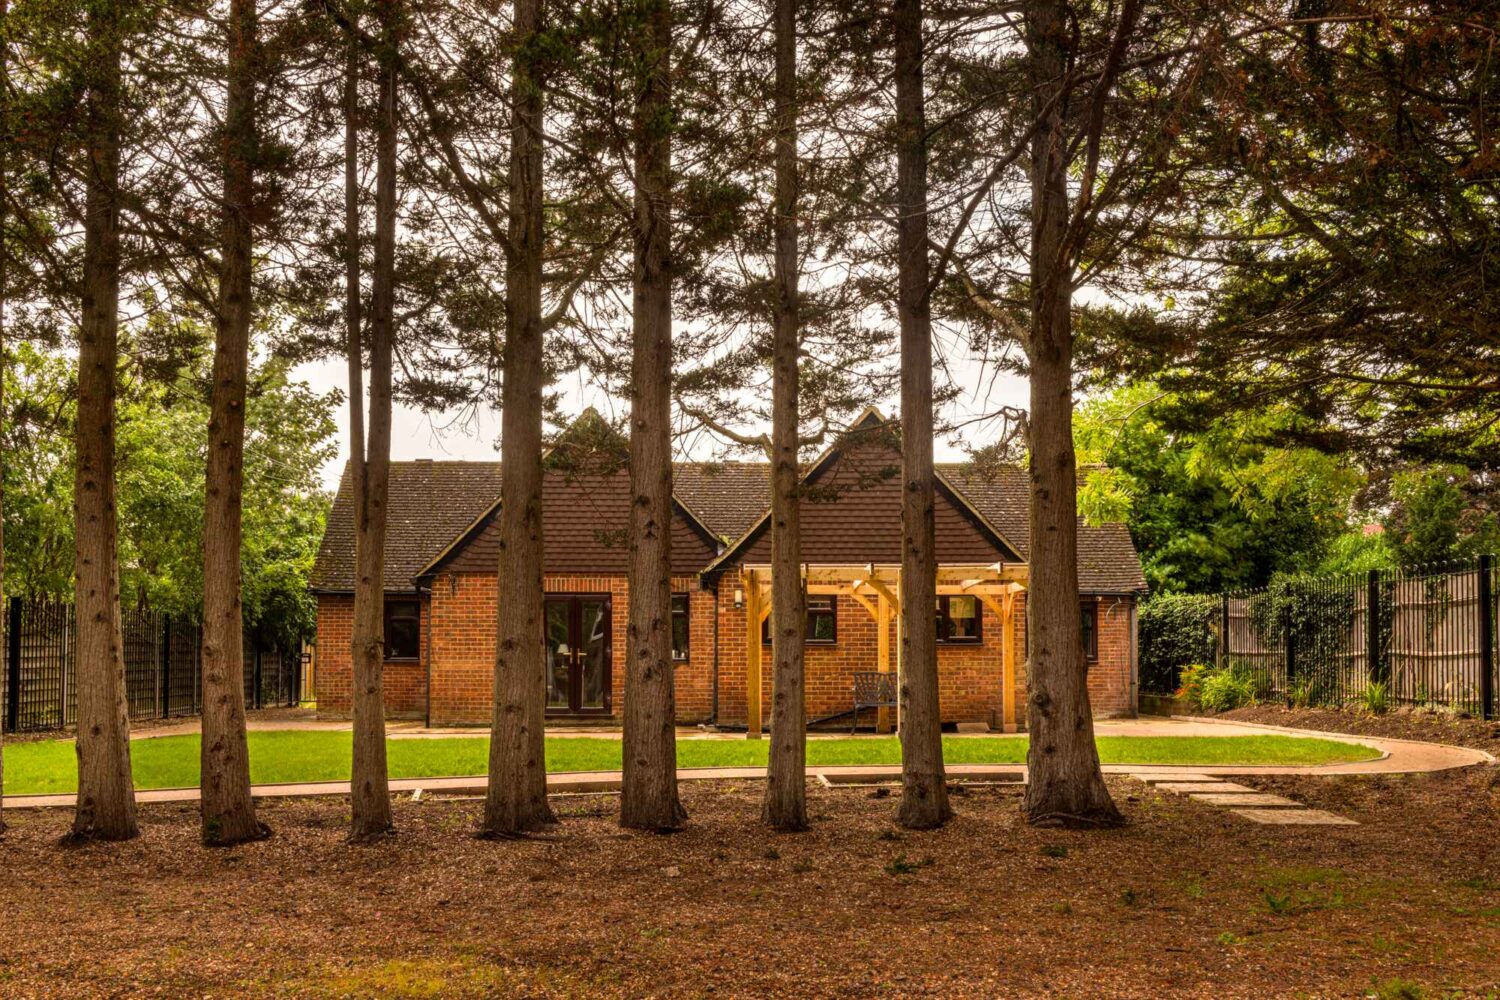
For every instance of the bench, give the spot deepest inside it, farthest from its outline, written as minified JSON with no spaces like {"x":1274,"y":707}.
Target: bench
{"x":872,"y":689}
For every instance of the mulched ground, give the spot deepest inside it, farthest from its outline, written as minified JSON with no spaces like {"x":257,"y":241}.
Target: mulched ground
{"x":1430,"y":725}
{"x":1187,"y":900}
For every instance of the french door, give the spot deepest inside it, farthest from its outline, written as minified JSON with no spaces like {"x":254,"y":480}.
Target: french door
{"x":578,"y":648}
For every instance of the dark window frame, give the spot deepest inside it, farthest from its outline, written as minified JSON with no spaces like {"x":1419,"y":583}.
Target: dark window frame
{"x":1088,"y":614}
{"x":832,"y":613}
{"x":945,"y":621}
{"x":687,"y":626}
{"x":414,"y":616}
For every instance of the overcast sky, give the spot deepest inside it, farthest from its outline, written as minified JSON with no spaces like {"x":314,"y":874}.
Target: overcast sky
{"x":475,"y":436}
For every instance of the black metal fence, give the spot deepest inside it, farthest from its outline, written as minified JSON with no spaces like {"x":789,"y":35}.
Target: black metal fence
{"x":163,"y":667}
{"x":1426,"y":636}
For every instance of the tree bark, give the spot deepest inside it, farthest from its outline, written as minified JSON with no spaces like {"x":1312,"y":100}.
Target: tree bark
{"x":924,"y":792}
{"x":1065,"y":785}
{"x":105,"y":808}
{"x":785,"y":805}
{"x":516,"y":799}
{"x":4,"y":617}
{"x":370,"y":790}
{"x":227,"y":809}
{"x":648,"y":798}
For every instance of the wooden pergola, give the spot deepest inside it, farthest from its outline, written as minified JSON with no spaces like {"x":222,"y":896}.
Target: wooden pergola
{"x":876,"y":587}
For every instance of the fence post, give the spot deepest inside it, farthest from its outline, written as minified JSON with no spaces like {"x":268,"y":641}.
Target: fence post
{"x":1374,"y":663}
{"x":13,"y":666}
{"x":1223,"y":630}
{"x":164,"y":660}
{"x":1486,"y":639}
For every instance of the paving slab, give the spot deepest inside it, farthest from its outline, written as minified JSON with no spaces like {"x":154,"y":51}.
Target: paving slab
{"x":1216,"y":787}
{"x":1258,"y":799}
{"x":1294,"y":817}
{"x":1169,"y":777}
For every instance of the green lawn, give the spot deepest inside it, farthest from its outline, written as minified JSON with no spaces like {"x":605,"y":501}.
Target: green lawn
{"x":278,"y":756}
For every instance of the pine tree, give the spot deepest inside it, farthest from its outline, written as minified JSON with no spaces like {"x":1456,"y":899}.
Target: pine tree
{"x":924,"y":792}
{"x":785,"y":805}
{"x":649,"y":782}
{"x":516,"y":799}
{"x":105,"y":808}
{"x":370,"y":816}
{"x":228,"y":810}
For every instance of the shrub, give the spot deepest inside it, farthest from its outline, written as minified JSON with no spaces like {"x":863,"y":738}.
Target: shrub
{"x":1227,"y":689}
{"x":1176,"y":630}
{"x":1376,"y":697}
{"x":1192,"y":677}
{"x":1219,"y":689}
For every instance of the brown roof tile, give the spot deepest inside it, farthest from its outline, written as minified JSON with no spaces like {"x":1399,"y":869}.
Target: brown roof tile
{"x":728,"y":496}
{"x":1107,"y":560}
{"x":430,"y":504}
{"x":433,"y":503}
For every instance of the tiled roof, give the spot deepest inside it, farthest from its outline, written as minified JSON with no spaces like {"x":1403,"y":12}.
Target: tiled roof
{"x":433,"y":503}
{"x":430,"y":504}
{"x":728,"y":496}
{"x":1107,"y":560}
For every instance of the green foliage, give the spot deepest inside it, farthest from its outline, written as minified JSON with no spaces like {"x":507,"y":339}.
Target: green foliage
{"x":1190,"y":687}
{"x":1213,"y":504}
{"x":1219,"y":689}
{"x":1227,"y":689}
{"x":1357,"y":551}
{"x":1376,"y":697}
{"x":1175,"y":630}
{"x":900,"y":866}
{"x":1433,"y":520}
{"x":1316,"y":622}
{"x":162,"y":438}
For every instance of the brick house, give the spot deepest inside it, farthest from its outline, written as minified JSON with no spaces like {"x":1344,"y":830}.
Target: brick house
{"x":442,"y":559}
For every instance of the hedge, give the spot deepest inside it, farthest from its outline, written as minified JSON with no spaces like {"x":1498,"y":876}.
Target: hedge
{"x":1177,"y":630}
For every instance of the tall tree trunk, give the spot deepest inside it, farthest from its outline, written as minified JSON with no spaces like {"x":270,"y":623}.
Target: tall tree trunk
{"x":785,"y":805}
{"x":228,"y":811}
{"x":353,"y":335}
{"x":370,"y":790}
{"x":924,"y":792}
{"x":106,"y":796}
{"x":1065,"y":785}
{"x":4,"y":165}
{"x":516,"y":799}
{"x":649,"y":789}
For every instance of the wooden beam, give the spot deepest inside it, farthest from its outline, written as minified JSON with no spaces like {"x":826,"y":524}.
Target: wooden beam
{"x":883,"y":656}
{"x":863,"y":601}
{"x":878,"y":585}
{"x":1008,"y":663}
{"x":753,"y":619}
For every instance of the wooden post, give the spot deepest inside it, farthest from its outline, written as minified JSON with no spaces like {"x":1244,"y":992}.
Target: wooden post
{"x":13,"y":668}
{"x":1486,"y":639}
{"x":1008,"y":658}
{"x":883,"y":655}
{"x":900,"y":660}
{"x":752,"y":656}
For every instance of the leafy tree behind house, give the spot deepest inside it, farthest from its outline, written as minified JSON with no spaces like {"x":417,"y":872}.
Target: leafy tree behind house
{"x":1212,"y":503}
{"x":162,"y":434}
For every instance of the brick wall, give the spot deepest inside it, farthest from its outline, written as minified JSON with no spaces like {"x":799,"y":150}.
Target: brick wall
{"x":1111,"y":684}
{"x":404,"y":682}
{"x":970,"y":677}
{"x":463,"y":644}
{"x":458,"y":638}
